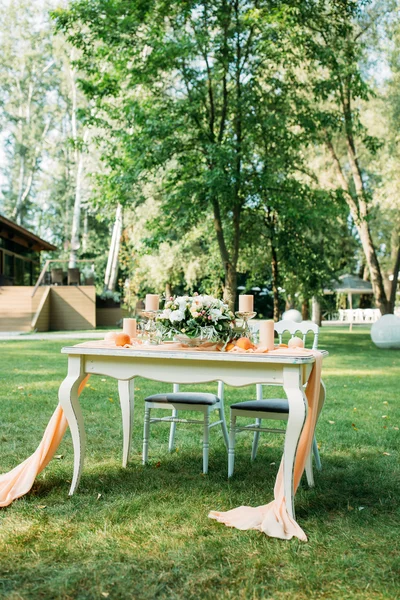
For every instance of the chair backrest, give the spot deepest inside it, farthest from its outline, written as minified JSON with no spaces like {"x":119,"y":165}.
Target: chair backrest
{"x":74,"y":276}
{"x":57,"y":276}
{"x":304,"y":327}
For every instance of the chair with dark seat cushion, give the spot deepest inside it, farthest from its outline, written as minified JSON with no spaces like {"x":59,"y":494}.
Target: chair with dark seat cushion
{"x":191,"y":401}
{"x":185,"y":398}
{"x":272,"y":408}
{"x":275,"y":405}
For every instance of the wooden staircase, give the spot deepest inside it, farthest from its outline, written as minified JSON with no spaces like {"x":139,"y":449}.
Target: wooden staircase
{"x":16,"y":308}
{"x":54,"y":308}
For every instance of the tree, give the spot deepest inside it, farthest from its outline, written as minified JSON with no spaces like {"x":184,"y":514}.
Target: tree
{"x":179,"y":86}
{"x":335,"y":53}
{"x":28,"y":75}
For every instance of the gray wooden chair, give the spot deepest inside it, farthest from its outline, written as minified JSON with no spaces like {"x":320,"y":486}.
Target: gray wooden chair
{"x":190,"y":401}
{"x":271,"y":408}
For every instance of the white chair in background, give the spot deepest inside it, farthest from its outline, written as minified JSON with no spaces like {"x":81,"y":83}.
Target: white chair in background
{"x":273,"y":408}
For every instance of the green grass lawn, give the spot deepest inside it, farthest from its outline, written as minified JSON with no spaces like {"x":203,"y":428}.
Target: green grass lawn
{"x":143,"y":532}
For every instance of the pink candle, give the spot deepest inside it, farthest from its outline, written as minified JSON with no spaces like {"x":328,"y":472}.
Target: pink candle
{"x":267,"y":334}
{"x":152,"y":302}
{"x":246,"y":303}
{"x":129,"y":327}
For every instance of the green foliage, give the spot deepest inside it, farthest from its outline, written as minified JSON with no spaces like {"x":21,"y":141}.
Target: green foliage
{"x":206,"y":97}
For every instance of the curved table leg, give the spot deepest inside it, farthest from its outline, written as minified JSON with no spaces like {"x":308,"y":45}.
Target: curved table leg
{"x":297,"y":416}
{"x":68,"y":398}
{"x":126,"y":391}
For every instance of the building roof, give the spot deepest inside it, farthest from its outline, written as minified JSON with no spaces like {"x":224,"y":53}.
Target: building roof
{"x":20,"y":235}
{"x":350,"y":284}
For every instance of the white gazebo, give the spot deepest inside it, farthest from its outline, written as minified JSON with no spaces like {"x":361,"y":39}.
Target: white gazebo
{"x":354,"y":285}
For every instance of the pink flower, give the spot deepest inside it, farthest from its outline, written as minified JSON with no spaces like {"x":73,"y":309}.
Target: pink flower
{"x":209,"y":317}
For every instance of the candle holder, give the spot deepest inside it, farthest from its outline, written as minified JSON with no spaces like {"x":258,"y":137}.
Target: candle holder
{"x":245,"y":316}
{"x":150,"y":327}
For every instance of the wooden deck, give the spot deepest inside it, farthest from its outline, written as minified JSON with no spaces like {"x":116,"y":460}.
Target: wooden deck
{"x":52,"y":308}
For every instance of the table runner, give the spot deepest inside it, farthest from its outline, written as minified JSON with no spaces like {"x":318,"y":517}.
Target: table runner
{"x":272,"y":518}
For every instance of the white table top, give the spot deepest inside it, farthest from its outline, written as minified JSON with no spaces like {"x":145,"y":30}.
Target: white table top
{"x":85,"y":350}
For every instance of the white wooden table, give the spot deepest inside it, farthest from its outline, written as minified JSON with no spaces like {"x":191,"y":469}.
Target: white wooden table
{"x":178,"y":366}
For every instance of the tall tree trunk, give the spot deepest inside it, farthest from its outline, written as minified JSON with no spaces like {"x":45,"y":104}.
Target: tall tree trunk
{"x":305,"y":309}
{"x":275,"y":280}
{"x":393,"y":291}
{"x":168,"y":290}
{"x":85,"y":235}
{"x":230,"y":286}
{"x":110,"y":279}
{"x":374,"y":267}
{"x":76,"y":217}
{"x":359,"y":212}
{"x":316,"y":311}
{"x":78,"y":154}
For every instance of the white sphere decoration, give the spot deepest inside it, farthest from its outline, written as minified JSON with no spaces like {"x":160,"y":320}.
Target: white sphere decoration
{"x":295,"y":342}
{"x":385,"y":333}
{"x":292,"y":315}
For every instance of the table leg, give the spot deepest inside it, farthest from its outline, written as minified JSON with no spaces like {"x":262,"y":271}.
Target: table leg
{"x":69,"y":400}
{"x":297,"y":415}
{"x":126,"y":391}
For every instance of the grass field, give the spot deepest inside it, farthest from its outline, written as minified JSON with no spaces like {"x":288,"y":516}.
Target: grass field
{"x":143,"y":533}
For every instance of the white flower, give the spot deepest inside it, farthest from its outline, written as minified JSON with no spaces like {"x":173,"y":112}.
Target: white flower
{"x":177,"y":315}
{"x":165,"y":313}
{"x":194,"y":313}
{"x":182,"y":302}
{"x":215,"y":314}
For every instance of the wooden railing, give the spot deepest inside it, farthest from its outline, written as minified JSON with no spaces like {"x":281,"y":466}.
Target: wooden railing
{"x":46,"y":266}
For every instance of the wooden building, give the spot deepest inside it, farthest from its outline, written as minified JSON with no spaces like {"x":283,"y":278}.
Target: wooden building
{"x":19,"y":254}
{"x":25,"y":306}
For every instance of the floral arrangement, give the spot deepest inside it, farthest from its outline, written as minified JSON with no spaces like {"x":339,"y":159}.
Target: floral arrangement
{"x":197,"y":316}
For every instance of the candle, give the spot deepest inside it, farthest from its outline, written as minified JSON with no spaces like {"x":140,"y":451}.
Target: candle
{"x":152,"y":302}
{"x":246,"y":303}
{"x":129,"y":327}
{"x":267,"y":334}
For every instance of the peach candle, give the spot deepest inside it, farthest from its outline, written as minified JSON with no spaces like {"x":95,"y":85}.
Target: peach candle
{"x":152,"y":302}
{"x":267,"y":334}
{"x":246,"y":303}
{"x":129,"y":327}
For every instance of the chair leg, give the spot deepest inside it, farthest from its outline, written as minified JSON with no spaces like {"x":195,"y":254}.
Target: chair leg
{"x":256,"y":437}
{"x":205,"y":441}
{"x":316,"y":455}
{"x":146,"y":433}
{"x":172,"y":431}
{"x":231,"y":449}
{"x":224,"y":428}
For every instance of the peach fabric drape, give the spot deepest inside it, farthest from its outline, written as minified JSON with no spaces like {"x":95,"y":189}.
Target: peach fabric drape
{"x":273,"y":518}
{"x":19,"y":481}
